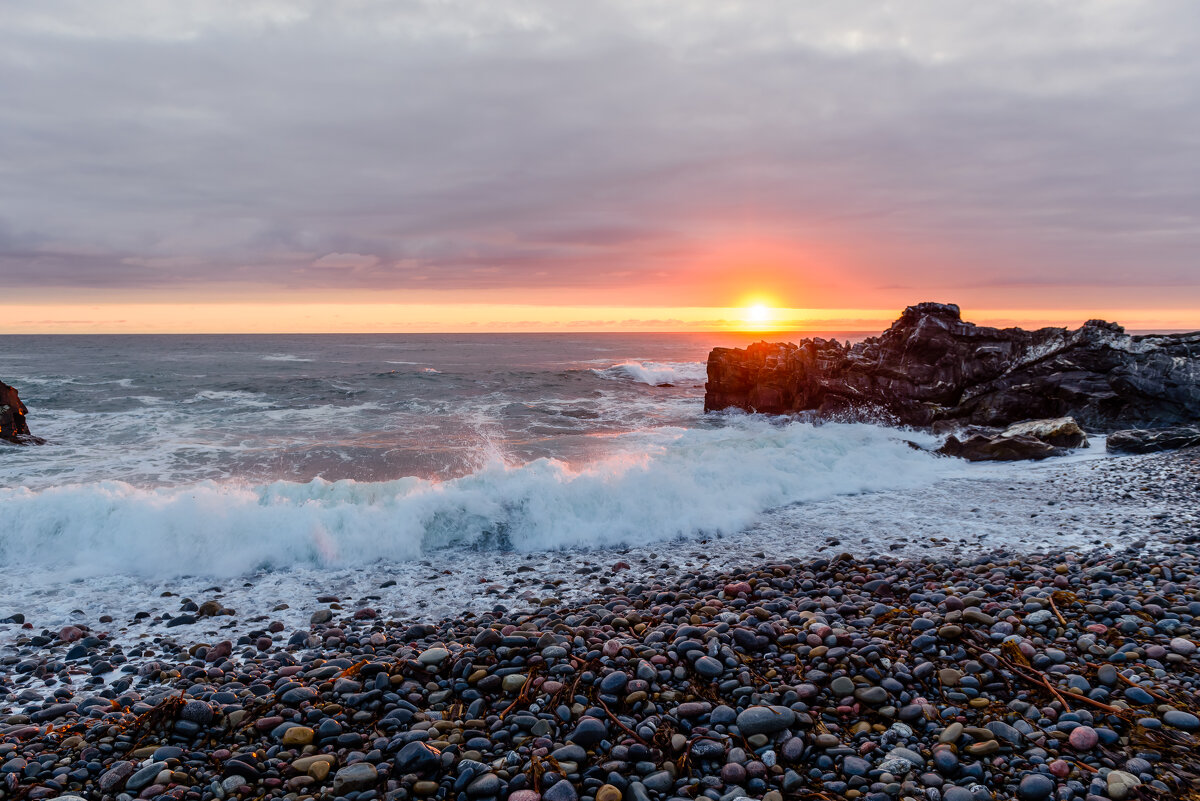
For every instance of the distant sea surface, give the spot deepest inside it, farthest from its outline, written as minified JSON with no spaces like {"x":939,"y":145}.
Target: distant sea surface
{"x":225,"y":454}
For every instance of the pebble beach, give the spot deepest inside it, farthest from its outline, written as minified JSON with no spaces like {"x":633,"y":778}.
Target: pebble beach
{"x":943,"y":664}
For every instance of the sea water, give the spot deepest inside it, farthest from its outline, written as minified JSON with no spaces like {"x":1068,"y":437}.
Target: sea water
{"x":226,"y":455}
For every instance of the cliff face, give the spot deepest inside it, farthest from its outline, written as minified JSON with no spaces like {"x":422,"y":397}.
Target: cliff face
{"x":13,"y":427}
{"x":931,"y":366}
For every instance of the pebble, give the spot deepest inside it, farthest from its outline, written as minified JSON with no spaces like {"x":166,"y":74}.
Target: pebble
{"x":1035,"y":787}
{"x":1084,"y":738}
{"x":1121,"y":784}
{"x":804,"y":680}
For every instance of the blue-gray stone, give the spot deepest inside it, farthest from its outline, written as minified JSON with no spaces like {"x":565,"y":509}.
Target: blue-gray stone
{"x":588,"y":732}
{"x":1139,"y":696}
{"x":855,"y":766}
{"x":1035,"y":787}
{"x":708,"y":749}
{"x":945,"y":760}
{"x":614,"y":682}
{"x":488,"y":784}
{"x":145,"y":777}
{"x":1181,"y":720}
{"x":764,"y":720}
{"x":416,"y":757}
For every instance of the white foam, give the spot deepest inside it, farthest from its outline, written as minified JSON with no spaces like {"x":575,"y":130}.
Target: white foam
{"x":235,"y":397}
{"x":284,"y":357}
{"x":654,"y":485}
{"x":657,"y":374}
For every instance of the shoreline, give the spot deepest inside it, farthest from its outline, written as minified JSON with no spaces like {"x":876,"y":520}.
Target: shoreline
{"x":1082,"y":502}
{"x":870,"y":663}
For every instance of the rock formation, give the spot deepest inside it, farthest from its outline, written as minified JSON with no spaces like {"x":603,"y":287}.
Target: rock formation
{"x":13,"y":427}
{"x":1035,"y":439}
{"x":932,"y":367}
{"x":1153,"y":440}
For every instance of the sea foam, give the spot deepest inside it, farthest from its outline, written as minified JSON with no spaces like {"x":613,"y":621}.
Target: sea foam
{"x":657,"y":374}
{"x":656,"y":484}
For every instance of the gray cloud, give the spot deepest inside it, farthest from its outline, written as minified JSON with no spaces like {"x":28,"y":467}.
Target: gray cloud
{"x":466,"y":146}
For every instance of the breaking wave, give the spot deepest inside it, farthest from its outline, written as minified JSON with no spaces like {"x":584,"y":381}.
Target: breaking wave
{"x":657,"y":374}
{"x":658,"y":484}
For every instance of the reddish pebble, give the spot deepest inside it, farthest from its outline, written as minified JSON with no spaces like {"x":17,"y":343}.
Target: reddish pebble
{"x":1084,"y":738}
{"x":737,"y":588}
{"x":1060,"y":768}
{"x":525,"y":795}
{"x":70,"y":634}
{"x":619,"y":566}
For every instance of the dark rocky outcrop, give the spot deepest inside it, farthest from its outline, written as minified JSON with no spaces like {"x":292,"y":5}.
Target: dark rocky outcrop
{"x":13,"y":427}
{"x":1153,"y":440}
{"x":932,"y":367}
{"x":985,"y":448}
{"x":1034,"y":439}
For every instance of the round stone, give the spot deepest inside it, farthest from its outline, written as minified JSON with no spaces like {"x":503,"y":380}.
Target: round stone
{"x":1181,"y":646}
{"x":358,"y":776}
{"x":297,"y":735}
{"x":1084,"y":738}
{"x":513,"y":682}
{"x":945,"y":760}
{"x":855,"y":766}
{"x":433,"y":656}
{"x":871,"y":695}
{"x":1121,"y":784}
{"x":1181,"y":720}
{"x":1035,"y":787}
{"x":588,"y":732}
{"x":764,"y":720}
{"x":561,"y":790}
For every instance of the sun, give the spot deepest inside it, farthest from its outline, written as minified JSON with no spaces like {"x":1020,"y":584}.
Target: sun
{"x":758,"y":313}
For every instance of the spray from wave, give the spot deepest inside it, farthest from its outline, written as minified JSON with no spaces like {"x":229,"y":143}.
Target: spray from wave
{"x":657,"y":374}
{"x":658,"y":485}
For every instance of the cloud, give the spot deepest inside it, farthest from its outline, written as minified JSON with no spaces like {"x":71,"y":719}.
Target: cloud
{"x":478,"y":147}
{"x":346,"y":261}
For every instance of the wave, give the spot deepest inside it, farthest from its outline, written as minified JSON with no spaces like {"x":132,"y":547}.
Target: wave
{"x":657,"y":374}
{"x":659,"y":484}
{"x":283,"y":357}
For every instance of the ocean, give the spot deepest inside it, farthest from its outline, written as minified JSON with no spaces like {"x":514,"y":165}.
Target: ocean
{"x":433,"y":476}
{"x":222,"y":455}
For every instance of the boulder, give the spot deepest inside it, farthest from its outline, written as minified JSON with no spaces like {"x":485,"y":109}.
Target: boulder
{"x":1062,"y":432}
{"x":13,"y":427}
{"x":998,"y":448}
{"x":1141,"y":440}
{"x":1032,"y":439}
{"x":931,"y":366}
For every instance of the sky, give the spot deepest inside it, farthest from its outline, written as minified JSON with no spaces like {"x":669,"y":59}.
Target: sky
{"x":569,"y":165}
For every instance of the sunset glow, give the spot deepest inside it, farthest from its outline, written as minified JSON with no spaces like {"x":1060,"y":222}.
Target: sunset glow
{"x":158,"y":318}
{"x":717,"y":195}
{"x":758,"y":313}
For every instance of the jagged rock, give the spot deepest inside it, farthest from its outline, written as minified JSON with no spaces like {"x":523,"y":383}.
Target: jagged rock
{"x":1150,"y":441}
{"x":930,"y":366}
{"x":13,"y":427}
